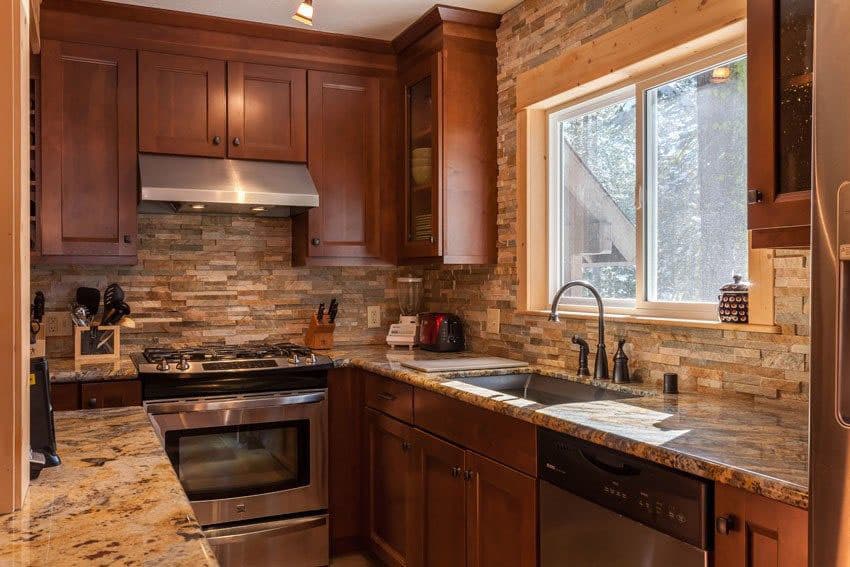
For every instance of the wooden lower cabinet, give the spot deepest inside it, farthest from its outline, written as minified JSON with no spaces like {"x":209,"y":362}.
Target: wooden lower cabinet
{"x":440,"y":506}
{"x":501,"y":517}
{"x":754,"y":531}
{"x":434,"y":503}
{"x":390,"y":488}
{"x":93,"y":395}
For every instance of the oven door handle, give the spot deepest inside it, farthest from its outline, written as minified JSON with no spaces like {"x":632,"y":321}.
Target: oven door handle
{"x":239,"y":534}
{"x":156,"y":408}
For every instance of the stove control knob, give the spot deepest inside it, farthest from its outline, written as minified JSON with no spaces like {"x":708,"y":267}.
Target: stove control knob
{"x":312,"y":358}
{"x":295,"y":359}
{"x":183,"y":365}
{"x":163,"y":365}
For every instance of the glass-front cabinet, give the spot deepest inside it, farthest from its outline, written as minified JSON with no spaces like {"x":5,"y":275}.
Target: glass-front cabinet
{"x":421,"y":159}
{"x":779,"y":46}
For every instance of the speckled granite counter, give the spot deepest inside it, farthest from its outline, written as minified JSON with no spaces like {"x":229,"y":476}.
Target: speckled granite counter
{"x":62,"y":370}
{"x":114,"y":500}
{"x":763,"y":449}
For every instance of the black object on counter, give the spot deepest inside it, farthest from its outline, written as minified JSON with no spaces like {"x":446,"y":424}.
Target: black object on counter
{"x":42,"y":433}
{"x":441,"y":332}
{"x":671,"y":383}
{"x":320,"y":314}
{"x":621,"y":364}
{"x":332,"y":310}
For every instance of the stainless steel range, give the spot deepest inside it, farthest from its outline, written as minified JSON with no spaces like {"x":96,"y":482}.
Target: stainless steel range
{"x":246,"y":431}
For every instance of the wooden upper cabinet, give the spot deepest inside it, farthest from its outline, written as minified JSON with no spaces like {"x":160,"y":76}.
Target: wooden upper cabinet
{"x":266,"y":112}
{"x":88,"y":193}
{"x":344,"y":120}
{"x":450,"y":104}
{"x":754,"y":531}
{"x":779,"y":110}
{"x":182,"y":105}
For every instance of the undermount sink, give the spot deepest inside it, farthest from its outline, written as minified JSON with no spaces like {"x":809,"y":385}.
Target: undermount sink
{"x":544,"y":390}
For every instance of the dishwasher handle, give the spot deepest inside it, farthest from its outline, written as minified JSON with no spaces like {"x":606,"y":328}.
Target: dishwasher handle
{"x":236,"y":534}
{"x":620,"y":469}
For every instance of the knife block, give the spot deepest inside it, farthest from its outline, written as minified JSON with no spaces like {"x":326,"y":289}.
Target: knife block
{"x":86,"y":350}
{"x":319,"y":336}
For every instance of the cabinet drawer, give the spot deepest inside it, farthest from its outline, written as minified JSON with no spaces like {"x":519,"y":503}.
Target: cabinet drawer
{"x":111,"y":394}
{"x":65,"y":396}
{"x":390,"y":396}
{"x":500,"y":437}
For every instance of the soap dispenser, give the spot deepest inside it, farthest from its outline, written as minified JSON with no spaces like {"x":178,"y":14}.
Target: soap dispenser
{"x":621,"y":364}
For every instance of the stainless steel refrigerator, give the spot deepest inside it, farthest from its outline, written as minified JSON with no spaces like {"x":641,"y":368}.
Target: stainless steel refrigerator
{"x":829,"y":463}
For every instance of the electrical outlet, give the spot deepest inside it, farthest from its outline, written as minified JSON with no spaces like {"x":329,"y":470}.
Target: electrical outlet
{"x":493,"y":320}
{"x":374,"y":316}
{"x":57,"y":324}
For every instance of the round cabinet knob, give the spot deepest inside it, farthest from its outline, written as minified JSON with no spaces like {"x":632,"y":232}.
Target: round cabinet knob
{"x":216,"y":140}
{"x":236,"y":141}
{"x":315,"y":241}
{"x":405,"y":446}
{"x":92,"y":402}
{"x":725,"y":524}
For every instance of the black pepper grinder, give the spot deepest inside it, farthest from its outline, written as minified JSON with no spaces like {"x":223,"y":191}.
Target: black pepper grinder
{"x":621,"y":364}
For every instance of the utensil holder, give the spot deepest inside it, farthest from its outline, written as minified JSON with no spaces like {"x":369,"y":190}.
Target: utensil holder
{"x":319,"y":336}
{"x":97,"y":345}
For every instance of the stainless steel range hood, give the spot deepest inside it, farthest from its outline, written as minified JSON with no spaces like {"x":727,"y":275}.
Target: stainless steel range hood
{"x":174,"y":184}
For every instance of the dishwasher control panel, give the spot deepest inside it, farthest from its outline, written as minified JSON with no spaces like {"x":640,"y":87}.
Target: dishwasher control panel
{"x":669,"y":501}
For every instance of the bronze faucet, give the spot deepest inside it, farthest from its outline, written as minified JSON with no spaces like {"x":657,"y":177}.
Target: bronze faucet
{"x":601,"y":365}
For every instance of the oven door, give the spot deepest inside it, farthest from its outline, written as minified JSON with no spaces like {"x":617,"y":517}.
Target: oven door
{"x":247,"y":457}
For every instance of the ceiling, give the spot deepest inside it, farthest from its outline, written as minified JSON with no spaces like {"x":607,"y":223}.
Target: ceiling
{"x":382,"y":19}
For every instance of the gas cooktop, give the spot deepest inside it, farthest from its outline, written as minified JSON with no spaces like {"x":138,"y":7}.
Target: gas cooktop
{"x":218,"y":369}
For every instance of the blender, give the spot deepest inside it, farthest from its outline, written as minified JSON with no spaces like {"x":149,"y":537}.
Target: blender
{"x":406,"y":331}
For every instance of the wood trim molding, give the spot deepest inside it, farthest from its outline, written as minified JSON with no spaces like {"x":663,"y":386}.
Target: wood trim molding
{"x":35,"y":26}
{"x":673,"y":31}
{"x":441,"y":14}
{"x":14,"y":252}
{"x":134,"y":27}
{"x":146,"y":15}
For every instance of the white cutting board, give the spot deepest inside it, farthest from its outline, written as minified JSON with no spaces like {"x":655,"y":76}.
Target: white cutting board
{"x":467,"y":363}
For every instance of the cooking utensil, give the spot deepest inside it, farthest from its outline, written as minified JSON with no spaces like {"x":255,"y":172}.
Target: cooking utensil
{"x":112,"y":295}
{"x":89,"y":297}
{"x":80,"y":315}
{"x":36,"y":315}
{"x":115,"y":314}
{"x":128,"y":322}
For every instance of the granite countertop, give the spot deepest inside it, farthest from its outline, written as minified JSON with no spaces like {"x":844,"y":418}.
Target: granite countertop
{"x":62,"y":370}
{"x":115,"y":500}
{"x":737,"y":441}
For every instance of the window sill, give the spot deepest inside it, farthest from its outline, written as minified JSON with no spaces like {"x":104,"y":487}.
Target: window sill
{"x":664,"y":321}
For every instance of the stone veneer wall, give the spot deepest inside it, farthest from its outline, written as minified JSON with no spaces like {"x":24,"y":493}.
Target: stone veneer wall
{"x":225,"y":279}
{"x":766,"y":366}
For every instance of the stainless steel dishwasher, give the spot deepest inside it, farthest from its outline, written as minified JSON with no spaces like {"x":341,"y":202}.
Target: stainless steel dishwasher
{"x":601,"y":508}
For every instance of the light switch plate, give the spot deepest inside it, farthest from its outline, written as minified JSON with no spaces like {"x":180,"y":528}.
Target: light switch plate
{"x":374,"y":316}
{"x":493,"y":320}
{"x":57,"y":324}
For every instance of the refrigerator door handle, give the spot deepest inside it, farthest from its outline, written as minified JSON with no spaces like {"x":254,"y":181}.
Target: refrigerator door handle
{"x":842,"y":352}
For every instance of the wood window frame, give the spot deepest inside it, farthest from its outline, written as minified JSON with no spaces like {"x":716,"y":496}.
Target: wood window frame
{"x":675,"y":35}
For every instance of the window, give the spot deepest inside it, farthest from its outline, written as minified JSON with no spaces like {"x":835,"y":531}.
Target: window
{"x":647,"y":190}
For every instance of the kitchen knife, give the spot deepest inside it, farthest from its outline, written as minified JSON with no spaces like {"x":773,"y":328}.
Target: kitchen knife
{"x":332,"y":310}
{"x":321,"y":313}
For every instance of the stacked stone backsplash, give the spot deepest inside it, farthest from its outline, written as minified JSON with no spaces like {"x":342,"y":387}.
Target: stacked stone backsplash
{"x":766,"y":366}
{"x":225,"y":279}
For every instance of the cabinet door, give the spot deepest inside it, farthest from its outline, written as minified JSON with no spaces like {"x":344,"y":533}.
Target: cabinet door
{"x":88,"y":150}
{"x":440,"y":507}
{"x":779,"y":110}
{"x":421,"y":223}
{"x":266,"y":112}
{"x":182,"y":105}
{"x":344,"y":161}
{"x":390,"y":471}
{"x":65,"y":396}
{"x":111,"y":394}
{"x":501,"y":515}
{"x":754,"y":531}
